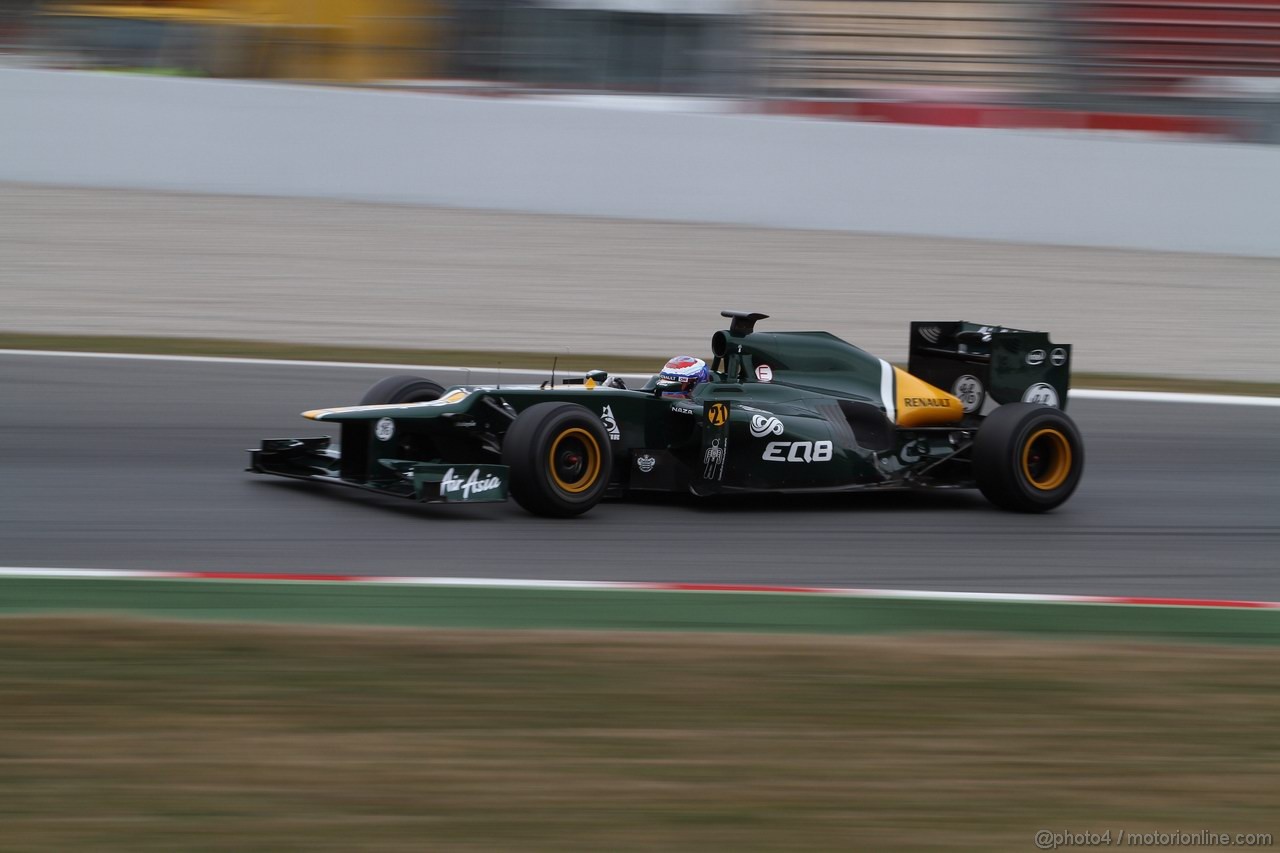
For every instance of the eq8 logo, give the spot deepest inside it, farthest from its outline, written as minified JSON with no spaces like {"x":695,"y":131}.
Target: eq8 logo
{"x":798,"y":451}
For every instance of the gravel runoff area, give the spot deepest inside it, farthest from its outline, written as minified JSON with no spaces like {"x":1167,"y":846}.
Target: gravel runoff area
{"x":126,"y":262}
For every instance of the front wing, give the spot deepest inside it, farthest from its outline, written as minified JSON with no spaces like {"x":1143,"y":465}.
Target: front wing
{"x":314,"y":459}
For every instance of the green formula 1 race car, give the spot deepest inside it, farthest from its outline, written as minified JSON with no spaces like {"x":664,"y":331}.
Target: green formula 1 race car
{"x":779,"y":412}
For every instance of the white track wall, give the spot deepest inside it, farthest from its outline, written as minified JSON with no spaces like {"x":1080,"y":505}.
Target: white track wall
{"x":79,"y":129}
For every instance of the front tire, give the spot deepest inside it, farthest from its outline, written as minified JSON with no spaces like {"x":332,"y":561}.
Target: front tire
{"x":559,"y":458}
{"x":1028,"y":457}
{"x":402,"y":389}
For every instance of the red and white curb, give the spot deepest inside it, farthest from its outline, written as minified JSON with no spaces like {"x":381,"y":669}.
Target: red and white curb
{"x":633,"y":586}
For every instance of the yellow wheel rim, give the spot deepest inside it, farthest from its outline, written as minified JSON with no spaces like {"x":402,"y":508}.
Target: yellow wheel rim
{"x":1046,"y":459}
{"x":574,"y":460}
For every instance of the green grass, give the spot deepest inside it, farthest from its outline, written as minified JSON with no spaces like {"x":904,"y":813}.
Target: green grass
{"x":489,"y":358}
{"x":147,"y":736}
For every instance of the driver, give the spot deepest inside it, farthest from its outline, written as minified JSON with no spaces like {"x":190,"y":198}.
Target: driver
{"x":686,"y":370}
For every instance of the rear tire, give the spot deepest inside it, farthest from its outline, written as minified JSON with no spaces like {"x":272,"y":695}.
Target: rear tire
{"x":1028,"y":457}
{"x":559,"y":458}
{"x":402,"y":389}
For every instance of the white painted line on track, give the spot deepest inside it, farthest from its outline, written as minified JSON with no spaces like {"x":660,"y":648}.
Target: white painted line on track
{"x":1173,"y":397}
{"x":28,"y":572}
{"x":289,"y":362}
{"x":628,"y":586}
{"x":1076,"y":393}
{"x":504,"y":583}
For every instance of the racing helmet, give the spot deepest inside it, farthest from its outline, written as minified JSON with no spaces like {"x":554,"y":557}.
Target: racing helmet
{"x":686,"y":370}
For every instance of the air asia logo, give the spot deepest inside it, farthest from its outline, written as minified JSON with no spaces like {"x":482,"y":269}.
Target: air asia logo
{"x":1058,"y":357}
{"x":683,"y":362}
{"x":610,"y":423}
{"x":475,"y":483}
{"x":1041,"y":393}
{"x":926,"y":402}
{"x":798,"y":451}
{"x":385,"y":429}
{"x":970,"y":392}
{"x":1036,"y":356}
{"x":645,"y":463}
{"x":930,"y":333}
{"x":764,"y":373}
{"x":718,"y":414}
{"x":762,"y":426}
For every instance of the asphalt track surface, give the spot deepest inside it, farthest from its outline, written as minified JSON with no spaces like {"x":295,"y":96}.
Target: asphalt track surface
{"x":139,"y":464}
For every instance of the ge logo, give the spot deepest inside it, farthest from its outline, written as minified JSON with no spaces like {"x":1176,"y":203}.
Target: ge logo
{"x":718,"y":414}
{"x":970,"y":392}
{"x":1042,"y":393}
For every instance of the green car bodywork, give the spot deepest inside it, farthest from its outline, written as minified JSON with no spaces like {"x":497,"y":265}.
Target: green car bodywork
{"x":783,"y":412}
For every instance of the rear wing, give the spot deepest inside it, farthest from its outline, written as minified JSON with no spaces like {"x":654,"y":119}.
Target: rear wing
{"x":979,"y":363}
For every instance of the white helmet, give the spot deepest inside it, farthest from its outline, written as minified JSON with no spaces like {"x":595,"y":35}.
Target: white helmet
{"x":686,"y":370}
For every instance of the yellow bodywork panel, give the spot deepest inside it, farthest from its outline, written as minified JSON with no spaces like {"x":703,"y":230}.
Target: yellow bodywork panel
{"x":192,"y":13}
{"x":920,"y":404}
{"x":293,"y":39}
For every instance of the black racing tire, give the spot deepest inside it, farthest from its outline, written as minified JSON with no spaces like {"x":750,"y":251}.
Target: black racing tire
{"x":559,"y":458}
{"x":402,"y":389}
{"x":1028,"y":457}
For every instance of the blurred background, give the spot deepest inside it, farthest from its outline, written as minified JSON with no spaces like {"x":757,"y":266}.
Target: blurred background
{"x":979,"y":156}
{"x":1201,"y":67}
{"x":497,"y":184}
